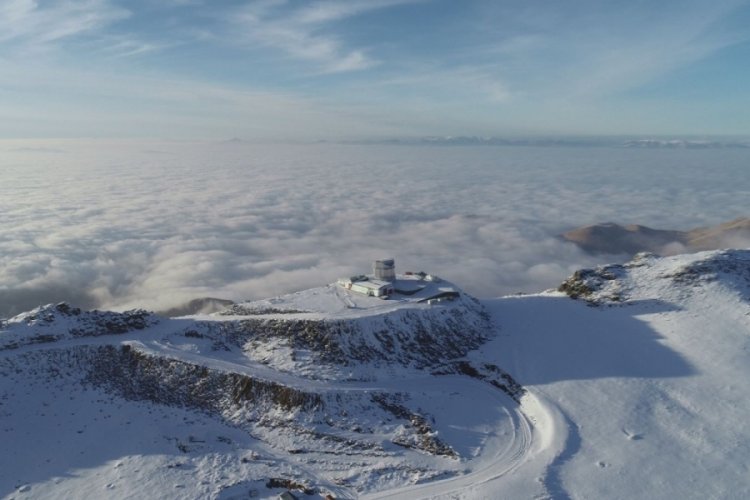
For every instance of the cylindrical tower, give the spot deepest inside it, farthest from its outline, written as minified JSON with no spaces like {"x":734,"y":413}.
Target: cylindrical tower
{"x":384,"y":269}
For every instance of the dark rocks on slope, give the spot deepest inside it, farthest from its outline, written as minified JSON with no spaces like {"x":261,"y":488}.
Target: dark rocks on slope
{"x":135,"y":375}
{"x":608,"y":284}
{"x":421,"y":338}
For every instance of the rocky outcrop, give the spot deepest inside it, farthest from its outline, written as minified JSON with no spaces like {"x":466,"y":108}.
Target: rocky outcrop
{"x":55,"y":322}
{"x":615,"y":283}
{"x":487,"y":372}
{"x":135,"y":375}
{"x":410,"y":337}
{"x":419,"y":435}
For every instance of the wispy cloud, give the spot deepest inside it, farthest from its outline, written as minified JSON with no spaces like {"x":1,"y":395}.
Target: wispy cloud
{"x":329,"y":10}
{"x":30,"y":27}
{"x":127,"y":46}
{"x":480,"y":67}
{"x":480,"y":81}
{"x":34,"y":25}
{"x":301,"y":32}
{"x":603,"y":48}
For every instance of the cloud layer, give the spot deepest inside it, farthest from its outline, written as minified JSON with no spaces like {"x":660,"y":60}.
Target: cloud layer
{"x":125,"y":224}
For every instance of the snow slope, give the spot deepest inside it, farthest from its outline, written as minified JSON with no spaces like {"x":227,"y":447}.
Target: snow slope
{"x":634,"y":386}
{"x":253,"y":402}
{"x":650,"y":372}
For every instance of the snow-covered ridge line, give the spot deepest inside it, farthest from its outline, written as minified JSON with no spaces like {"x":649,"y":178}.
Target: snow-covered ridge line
{"x":54,"y":322}
{"x":340,"y":333}
{"x":341,"y":328}
{"x":648,"y":274}
{"x":330,"y":382}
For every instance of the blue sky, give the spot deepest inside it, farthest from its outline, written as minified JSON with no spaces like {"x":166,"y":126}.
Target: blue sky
{"x":307,"y":70}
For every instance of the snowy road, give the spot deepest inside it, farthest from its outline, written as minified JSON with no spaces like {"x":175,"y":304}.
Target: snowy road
{"x":537,"y":430}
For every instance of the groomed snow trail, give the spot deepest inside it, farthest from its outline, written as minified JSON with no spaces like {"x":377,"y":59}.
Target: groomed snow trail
{"x":539,"y":435}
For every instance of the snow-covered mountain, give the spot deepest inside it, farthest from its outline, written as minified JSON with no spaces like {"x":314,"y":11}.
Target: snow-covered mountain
{"x":628,"y":382}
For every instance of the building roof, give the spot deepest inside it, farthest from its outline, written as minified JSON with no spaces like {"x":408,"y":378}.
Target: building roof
{"x":372,"y":284}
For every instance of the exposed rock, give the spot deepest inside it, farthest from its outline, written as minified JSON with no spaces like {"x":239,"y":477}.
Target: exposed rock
{"x":490,"y":373}
{"x":54,"y":322}
{"x":421,"y":437}
{"x":611,"y":284}
{"x":420,"y":338}
{"x":135,"y":375}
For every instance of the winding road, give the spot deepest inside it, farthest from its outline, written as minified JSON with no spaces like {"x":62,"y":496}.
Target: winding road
{"x":539,"y":430}
{"x":539,"y":427}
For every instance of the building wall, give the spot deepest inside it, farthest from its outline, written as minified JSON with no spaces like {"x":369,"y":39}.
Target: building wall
{"x":385,"y":269}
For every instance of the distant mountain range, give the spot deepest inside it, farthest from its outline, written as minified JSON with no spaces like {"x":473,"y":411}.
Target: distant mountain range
{"x":538,"y":141}
{"x":612,"y":238}
{"x":684,"y":144}
{"x":647,"y":143}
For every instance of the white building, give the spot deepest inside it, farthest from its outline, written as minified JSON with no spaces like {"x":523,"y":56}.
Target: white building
{"x":380,"y":284}
{"x":373,"y":288}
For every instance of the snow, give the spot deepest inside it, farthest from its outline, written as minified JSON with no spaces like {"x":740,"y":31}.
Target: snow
{"x":653,"y":390}
{"x":336,"y":302}
{"x":636,"y":389}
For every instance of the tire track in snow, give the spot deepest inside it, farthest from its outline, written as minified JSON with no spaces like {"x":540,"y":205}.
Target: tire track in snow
{"x":539,"y":437}
{"x":539,"y":428}
{"x":529,"y":421}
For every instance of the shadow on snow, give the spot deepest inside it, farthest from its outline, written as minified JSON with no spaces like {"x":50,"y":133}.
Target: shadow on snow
{"x":550,"y":339}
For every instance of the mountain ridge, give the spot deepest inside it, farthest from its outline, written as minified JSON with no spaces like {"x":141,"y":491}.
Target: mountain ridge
{"x":613,"y":239}
{"x":534,"y":395}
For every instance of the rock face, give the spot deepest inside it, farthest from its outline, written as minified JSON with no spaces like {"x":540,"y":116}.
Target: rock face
{"x":612,"y":238}
{"x":419,"y":337}
{"x":663,"y":276}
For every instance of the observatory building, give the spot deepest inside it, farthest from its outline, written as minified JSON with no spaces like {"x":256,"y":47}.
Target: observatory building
{"x":379,"y":284}
{"x":383,"y":283}
{"x":384,"y":269}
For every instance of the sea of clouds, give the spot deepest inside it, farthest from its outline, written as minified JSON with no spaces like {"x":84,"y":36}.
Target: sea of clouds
{"x":154,"y":225}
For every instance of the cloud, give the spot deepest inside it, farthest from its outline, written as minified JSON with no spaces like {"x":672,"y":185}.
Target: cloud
{"x":109,"y":224}
{"x":287,"y":69}
{"x":302,"y":33}
{"x":33,"y":33}
{"x":597,"y":49}
{"x":34,"y":25}
{"x":327,"y":11}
